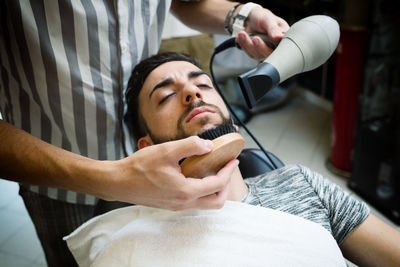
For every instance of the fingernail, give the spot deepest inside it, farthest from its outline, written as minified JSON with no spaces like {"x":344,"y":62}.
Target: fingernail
{"x":240,"y":38}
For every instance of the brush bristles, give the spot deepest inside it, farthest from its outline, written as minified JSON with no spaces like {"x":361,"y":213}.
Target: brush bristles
{"x":217,"y":132}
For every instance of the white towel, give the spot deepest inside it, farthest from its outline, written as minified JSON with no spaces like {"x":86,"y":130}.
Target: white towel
{"x":236,"y":235}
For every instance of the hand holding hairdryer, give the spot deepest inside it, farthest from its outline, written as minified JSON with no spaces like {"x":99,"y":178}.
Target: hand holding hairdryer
{"x":307,"y":45}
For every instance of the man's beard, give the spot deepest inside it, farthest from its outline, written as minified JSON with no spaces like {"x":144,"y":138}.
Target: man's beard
{"x":181,"y":133}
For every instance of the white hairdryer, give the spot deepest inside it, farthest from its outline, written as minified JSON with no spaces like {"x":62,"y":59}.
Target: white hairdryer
{"x":307,"y":45}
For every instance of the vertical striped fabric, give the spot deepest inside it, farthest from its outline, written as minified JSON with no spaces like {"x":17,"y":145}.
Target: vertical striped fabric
{"x":64,"y":67}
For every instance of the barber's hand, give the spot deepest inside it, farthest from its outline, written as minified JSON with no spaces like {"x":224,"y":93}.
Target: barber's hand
{"x":261,"y":20}
{"x":152,"y":177}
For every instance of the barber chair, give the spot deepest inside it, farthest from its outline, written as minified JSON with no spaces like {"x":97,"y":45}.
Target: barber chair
{"x":253,"y":162}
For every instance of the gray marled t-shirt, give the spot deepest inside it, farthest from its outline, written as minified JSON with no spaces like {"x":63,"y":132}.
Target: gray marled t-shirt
{"x":297,"y":190}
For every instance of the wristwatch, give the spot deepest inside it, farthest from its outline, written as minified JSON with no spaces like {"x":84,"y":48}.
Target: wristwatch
{"x":229,"y":17}
{"x":239,"y":19}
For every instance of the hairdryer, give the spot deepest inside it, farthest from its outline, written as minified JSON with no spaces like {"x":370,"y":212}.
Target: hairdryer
{"x":306,"y":45}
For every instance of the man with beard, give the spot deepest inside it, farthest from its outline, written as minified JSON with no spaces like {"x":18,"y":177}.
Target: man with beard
{"x":64,"y":67}
{"x":169,"y":98}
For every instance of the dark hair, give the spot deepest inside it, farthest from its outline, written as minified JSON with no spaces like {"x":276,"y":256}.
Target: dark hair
{"x":133,"y":118}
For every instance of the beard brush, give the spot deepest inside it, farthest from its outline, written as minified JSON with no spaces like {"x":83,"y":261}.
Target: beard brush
{"x":227,"y":146}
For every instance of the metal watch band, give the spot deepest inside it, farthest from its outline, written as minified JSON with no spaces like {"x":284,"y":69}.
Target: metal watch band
{"x":229,"y":17}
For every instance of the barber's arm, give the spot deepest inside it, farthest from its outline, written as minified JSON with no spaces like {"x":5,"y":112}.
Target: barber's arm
{"x":150,"y":177}
{"x":373,"y":243}
{"x":209,"y":16}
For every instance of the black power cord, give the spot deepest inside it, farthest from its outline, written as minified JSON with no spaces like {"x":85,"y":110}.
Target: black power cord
{"x":231,"y":42}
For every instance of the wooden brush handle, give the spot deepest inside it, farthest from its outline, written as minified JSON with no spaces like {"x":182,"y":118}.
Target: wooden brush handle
{"x":226,"y":148}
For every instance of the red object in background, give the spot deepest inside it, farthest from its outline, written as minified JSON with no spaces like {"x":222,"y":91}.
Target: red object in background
{"x":350,"y":59}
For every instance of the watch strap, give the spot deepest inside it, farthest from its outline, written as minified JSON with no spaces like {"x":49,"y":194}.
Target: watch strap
{"x":239,"y":19}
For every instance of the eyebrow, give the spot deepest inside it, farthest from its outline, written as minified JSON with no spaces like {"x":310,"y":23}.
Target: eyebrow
{"x":169,"y":81}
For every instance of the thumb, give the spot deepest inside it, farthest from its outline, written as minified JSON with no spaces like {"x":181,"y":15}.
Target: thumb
{"x":190,"y":146}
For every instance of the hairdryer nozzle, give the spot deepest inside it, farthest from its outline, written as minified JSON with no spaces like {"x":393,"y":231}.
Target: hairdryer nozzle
{"x":257,"y":82}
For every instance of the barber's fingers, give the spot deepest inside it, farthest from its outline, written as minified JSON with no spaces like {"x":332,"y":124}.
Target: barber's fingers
{"x":254,"y":47}
{"x":212,"y":201}
{"x":212,"y":191}
{"x":275,"y":28}
{"x":187,"y":147}
{"x":262,"y":20}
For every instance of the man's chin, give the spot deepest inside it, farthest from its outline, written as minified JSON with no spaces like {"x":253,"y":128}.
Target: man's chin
{"x":206,"y":129}
{"x":199,"y":129}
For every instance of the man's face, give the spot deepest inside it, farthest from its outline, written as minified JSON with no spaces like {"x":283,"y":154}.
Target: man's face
{"x":178,"y":100}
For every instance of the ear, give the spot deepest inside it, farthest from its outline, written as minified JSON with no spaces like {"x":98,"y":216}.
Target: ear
{"x":144,"y":142}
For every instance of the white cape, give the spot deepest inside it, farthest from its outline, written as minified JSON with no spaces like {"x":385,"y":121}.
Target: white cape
{"x":236,"y":235}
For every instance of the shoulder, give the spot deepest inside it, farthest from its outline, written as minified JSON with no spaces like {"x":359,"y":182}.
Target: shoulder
{"x":286,"y":173}
{"x":289,"y":184}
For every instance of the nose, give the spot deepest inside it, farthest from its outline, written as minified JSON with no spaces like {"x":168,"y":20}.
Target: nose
{"x":191,"y":93}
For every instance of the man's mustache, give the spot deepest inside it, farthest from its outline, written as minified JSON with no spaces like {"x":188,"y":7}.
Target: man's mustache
{"x":194,"y":105}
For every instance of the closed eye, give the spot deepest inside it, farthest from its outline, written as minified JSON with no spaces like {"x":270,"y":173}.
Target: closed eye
{"x":203,"y":85}
{"x":165,"y":98}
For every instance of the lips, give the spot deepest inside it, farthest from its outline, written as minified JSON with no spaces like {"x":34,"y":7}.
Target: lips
{"x":198,"y":111}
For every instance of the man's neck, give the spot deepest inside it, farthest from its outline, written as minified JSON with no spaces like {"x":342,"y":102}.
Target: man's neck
{"x":237,"y":188}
